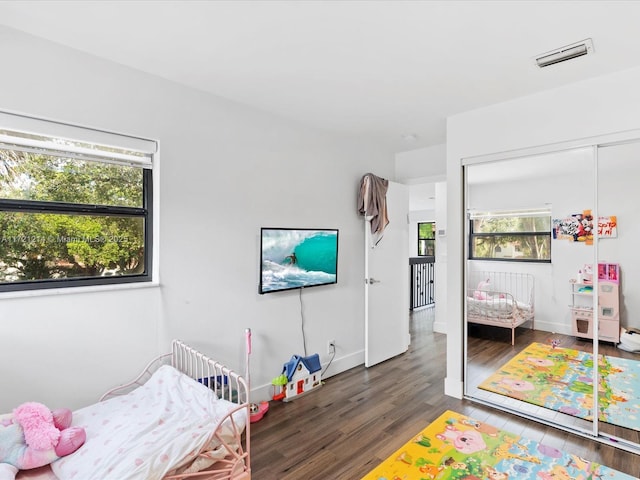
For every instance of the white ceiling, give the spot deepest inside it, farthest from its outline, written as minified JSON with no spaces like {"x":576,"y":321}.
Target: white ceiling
{"x":371,"y":69}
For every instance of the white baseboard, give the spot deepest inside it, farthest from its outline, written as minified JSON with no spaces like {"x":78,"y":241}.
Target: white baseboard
{"x":261,"y":393}
{"x":453,"y":388}
{"x":439,"y":327}
{"x":553,"y":327}
{"x":343,"y":364}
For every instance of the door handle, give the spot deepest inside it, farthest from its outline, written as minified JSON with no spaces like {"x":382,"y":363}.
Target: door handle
{"x":371,"y":281}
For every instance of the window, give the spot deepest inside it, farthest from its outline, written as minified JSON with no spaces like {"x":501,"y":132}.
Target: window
{"x":519,"y":235}
{"x":426,"y":239}
{"x":73,"y":212}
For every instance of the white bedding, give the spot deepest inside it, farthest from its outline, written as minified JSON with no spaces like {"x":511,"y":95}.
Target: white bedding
{"x":498,"y":308}
{"x":155,"y":429}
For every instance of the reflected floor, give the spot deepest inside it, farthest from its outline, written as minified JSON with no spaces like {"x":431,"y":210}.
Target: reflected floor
{"x":490,"y":347}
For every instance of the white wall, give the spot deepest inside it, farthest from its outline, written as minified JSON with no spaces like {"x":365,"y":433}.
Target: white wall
{"x":441,"y":318}
{"x":583,"y":110}
{"x":226,"y":170}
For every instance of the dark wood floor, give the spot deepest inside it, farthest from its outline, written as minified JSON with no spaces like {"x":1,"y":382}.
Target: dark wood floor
{"x":361,"y":416}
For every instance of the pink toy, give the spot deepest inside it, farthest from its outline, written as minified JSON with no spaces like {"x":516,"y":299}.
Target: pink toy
{"x":481,"y":291}
{"x":33,"y":436}
{"x":257,"y":411}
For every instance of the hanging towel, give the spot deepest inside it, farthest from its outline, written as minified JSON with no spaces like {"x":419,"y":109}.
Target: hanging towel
{"x":372,"y":203}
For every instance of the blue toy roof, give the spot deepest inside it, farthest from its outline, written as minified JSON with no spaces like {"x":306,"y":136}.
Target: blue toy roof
{"x":311,"y":363}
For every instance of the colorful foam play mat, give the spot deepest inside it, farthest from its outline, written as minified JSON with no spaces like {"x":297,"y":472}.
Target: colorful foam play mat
{"x":455,"y":447}
{"x":561,"y":379}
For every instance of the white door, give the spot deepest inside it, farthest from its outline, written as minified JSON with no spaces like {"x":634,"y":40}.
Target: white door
{"x":387,"y":282}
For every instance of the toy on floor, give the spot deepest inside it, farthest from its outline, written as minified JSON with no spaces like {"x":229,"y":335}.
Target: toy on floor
{"x":299,"y":375}
{"x":33,"y":436}
{"x":279,"y":387}
{"x":629,"y":340}
{"x":257,"y":411}
{"x":554,"y":342}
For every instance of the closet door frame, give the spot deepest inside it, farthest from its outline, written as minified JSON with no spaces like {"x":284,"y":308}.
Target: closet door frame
{"x":594,"y":143}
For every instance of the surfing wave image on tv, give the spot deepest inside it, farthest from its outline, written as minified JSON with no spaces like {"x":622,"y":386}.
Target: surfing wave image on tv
{"x":297,"y":258}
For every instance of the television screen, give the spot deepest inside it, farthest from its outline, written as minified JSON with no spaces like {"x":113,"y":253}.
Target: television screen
{"x":297,"y":258}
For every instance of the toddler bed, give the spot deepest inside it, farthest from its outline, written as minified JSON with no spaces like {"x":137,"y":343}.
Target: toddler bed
{"x":501,"y":299}
{"x":185,"y":416}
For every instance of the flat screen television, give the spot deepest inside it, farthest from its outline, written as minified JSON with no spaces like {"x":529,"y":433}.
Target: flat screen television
{"x":297,"y":258}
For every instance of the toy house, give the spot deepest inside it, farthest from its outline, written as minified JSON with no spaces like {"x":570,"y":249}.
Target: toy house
{"x":303,"y":375}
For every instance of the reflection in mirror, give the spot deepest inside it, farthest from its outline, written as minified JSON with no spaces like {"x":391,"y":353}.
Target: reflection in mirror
{"x":520,"y":338}
{"x":619,"y":299}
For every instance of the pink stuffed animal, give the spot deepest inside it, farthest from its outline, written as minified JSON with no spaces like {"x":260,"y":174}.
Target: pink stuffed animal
{"x":33,"y":436}
{"x":481,"y":291}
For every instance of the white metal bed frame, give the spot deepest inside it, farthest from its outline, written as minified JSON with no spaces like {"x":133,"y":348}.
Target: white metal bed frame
{"x":508,"y":300}
{"x":226,"y":384}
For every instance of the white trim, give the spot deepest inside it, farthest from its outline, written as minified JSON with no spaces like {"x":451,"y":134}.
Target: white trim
{"x":10,"y":142}
{"x":47,"y":292}
{"x":453,"y":388}
{"x":594,"y":144}
{"x":595,"y":343}
{"x":606,"y":140}
{"x":39,"y":126}
{"x":440,"y":327}
{"x":523,"y":212}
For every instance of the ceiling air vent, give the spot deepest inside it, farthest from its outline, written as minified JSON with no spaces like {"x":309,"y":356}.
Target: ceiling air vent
{"x":563,"y":54}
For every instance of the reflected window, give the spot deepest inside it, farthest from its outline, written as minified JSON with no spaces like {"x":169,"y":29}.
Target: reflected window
{"x":511,"y":235}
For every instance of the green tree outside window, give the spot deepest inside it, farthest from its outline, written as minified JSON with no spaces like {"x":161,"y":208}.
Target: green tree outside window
{"x":426,"y":239}
{"x":68,"y":218}
{"x":514,"y":236}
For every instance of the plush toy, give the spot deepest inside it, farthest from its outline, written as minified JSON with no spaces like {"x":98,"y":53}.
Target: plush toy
{"x":33,"y":436}
{"x":481,"y":292}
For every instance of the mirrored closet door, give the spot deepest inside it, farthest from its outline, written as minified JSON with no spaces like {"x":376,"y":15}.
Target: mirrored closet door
{"x":618,"y":275}
{"x":549,"y":279}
